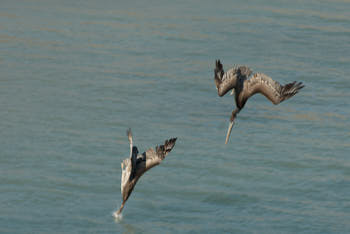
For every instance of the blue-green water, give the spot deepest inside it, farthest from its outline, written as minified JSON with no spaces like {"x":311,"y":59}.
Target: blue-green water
{"x":76,"y":74}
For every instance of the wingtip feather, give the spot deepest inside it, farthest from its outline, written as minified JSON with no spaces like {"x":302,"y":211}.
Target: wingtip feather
{"x":163,"y":150}
{"x":290,"y":89}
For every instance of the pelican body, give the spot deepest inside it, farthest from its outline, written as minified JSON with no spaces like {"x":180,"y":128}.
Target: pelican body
{"x":137,"y":164}
{"x":239,"y":80}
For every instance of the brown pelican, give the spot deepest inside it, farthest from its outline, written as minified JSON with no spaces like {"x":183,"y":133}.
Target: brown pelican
{"x":237,"y":79}
{"x":137,"y":164}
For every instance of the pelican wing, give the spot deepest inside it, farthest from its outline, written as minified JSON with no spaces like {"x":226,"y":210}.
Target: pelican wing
{"x":152,"y":157}
{"x":272,"y":90}
{"x":227,"y":81}
{"x":126,"y":172}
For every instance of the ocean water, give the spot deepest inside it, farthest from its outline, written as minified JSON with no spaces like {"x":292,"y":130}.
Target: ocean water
{"x":76,"y":74}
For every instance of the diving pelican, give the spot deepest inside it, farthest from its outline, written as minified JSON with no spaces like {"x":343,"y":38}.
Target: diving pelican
{"x":236,"y":79}
{"x":137,"y":164}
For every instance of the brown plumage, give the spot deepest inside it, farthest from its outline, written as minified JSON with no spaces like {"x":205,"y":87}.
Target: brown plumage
{"x":137,"y":164}
{"x":237,"y":78}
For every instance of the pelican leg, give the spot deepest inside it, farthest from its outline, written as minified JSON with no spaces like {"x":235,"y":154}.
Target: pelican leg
{"x":232,"y":122}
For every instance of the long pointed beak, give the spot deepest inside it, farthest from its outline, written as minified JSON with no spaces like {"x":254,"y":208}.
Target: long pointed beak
{"x":229,"y":131}
{"x":120,"y":209}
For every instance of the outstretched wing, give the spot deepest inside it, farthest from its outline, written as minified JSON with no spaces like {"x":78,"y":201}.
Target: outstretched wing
{"x":153,"y":157}
{"x":274,"y":91}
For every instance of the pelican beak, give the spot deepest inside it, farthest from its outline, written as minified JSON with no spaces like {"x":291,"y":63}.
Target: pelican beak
{"x":229,"y":131}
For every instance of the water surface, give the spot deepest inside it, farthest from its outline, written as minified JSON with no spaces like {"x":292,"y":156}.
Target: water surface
{"x":76,"y":75}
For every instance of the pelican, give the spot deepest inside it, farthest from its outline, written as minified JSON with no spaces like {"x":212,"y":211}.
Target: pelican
{"x":237,"y":79}
{"x":137,"y":164}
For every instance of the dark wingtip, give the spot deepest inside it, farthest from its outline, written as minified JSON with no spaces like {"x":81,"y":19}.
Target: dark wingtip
{"x":289,"y":90}
{"x":163,"y":150}
{"x":170,"y":142}
{"x":300,"y":85}
{"x":172,"y":139}
{"x":218,"y":64}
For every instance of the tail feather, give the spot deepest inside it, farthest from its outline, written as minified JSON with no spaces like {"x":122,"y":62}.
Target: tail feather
{"x":163,"y":150}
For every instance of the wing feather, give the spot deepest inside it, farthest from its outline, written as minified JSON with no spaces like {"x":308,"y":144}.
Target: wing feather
{"x":126,"y":172}
{"x":230,"y":78}
{"x":272,"y":90}
{"x":154,"y":157}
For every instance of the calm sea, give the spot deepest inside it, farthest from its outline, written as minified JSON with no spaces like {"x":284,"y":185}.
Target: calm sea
{"x":76,"y":74}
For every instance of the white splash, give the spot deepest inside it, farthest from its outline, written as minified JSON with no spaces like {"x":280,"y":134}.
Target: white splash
{"x":117,"y":217}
